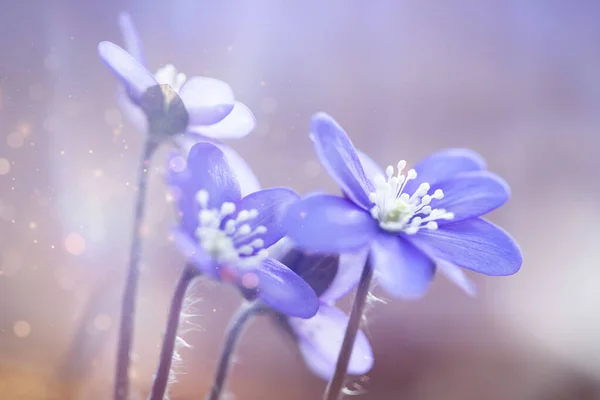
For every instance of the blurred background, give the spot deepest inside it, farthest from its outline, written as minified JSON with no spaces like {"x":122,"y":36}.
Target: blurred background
{"x":518,"y":81}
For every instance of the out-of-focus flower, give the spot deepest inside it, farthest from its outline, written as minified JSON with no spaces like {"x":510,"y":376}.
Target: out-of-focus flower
{"x":213,"y":111}
{"x":320,"y":337}
{"x":168,"y":103}
{"x":226,"y":236}
{"x":410,"y":223}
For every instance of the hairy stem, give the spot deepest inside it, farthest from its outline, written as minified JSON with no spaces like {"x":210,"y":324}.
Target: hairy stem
{"x":161,"y":379}
{"x":336,"y":385}
{"x":234,"y":332}
{"x":121,"y":388}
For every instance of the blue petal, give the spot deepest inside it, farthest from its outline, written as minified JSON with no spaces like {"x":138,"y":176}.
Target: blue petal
{"x":400,"y":268}
{"x":237,"y":124}
{"x":194,"y":254}
{"x":284,"y":291}
{"x":371,"y":168}
{"x":474,"y":244}
{"x":456,"y":275}
{"x":248,"y":181}
{"x":329,"y":224}
{"x":271,"y":204}
{"x":132,"y":74}
{"x":338,"y":156}
{"x":206,"y":100}
{"x":320,"y":341}
{"x":443,"y":165}
{"x":206,"y":169}
{"x":350,"y":268}
{"x":471,"y":194}
{"x":133,"y":44}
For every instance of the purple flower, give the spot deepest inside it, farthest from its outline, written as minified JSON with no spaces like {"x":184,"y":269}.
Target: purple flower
{"x":209,"y":103}
{"x":411,"y":223}
{"x":226,"y":236}
{"x":320,"y":337}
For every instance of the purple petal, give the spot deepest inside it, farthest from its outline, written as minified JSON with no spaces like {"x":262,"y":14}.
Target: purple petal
{"x":246,"y":178}
{"x":271,"y":204}
{"x":338,"y":156}
{"x":443,"y":165}
{"x":329,"y":224}
{"x":371,"y":168}
{"x":237,"y":124}
{"x":132,"y":74}
{"x":132,"y":111}
{"x":456,"y":275}
{"x":206,"y":100}
{"x":206,"y":169}
{"x":317,"y":269}
{"x":284,"y":291}
{"x":194,"y":254}
{"x":401,"y":268}
{"x":348,"y":274}
{"x":474,"y":244}
{"x":320,"y":340}
{"x":471,"y":194}
{"x":133,"y":44}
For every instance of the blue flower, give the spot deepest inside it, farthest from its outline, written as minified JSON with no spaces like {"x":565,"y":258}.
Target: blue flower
{"x":210,"y":103}
{"x":320,"y":337}
{"x":413,"y":222}
{"x":226,"y":236}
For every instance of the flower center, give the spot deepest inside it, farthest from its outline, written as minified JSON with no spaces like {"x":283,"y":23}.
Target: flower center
{"x":228,"y":239}
{"x":397,"y":211}
{"x":168,"y":75}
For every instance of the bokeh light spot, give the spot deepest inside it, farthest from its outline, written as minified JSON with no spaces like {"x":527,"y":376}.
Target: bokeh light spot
{"x":15,"y":140}
{"x":75,"y":244}
{"x":102,"y":322}
{"x":4,"y":166}
{"x":21,"y":329}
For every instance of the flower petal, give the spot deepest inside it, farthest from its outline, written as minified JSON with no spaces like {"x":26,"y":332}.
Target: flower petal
{"x":206,"y":100}
{"x":194,"y":254}
{"x":339,"y":157}
{"x":320,"y":340}
{"x":475,"y":244}
{"x":237,"y":124}
{"x":284,"y":291}
{"x":246,"y":178}
{"x":456,"y":275}
{"x":317,"y":269}
{"x":348,"y":274}
{"x":132,"y":111}
{"x":271,"y":204}
{"x":206,"y":169}
{"x":444,"y":165}
{"x":329,"y":224}
{"x":371,"y":168}
{"x":471,"y":194}
{"x":401,"y":268}
{"x":133,"y":44}
{"x":132,"y":74}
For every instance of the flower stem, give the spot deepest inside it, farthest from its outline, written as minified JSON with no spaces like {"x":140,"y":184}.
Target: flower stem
{"x":234,"y":331}
{"x":121,"y":388}
{"x":336,"y":385}
{"x":161,"y":379}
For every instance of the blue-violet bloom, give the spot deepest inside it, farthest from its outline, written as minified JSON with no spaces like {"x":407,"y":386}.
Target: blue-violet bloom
{"x":203,"y":108}
{"x":411,"y":223}
{"x":226,"y":236}
{"x":320,"y":337}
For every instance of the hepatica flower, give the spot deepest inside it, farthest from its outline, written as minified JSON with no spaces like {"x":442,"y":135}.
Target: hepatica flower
{"x":210,"y":104}
{"x":226,"y":236}
{"x":320,"y":337}
{"x":412,"y":222}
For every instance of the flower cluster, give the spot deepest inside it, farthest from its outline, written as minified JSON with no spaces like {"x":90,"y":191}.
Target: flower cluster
{"x":293,"y":256}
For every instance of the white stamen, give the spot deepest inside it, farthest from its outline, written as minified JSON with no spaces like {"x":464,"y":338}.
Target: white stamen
{"x":398,"y":211}
{"x":168,"y":75}
{"x":231,"y":242}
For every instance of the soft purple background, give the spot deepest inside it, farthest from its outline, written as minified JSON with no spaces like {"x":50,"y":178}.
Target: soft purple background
{"x":518,"y":81}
